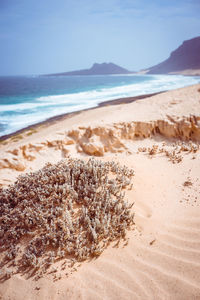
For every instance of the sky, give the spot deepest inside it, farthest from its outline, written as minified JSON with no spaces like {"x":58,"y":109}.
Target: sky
{"x":49,"y":36}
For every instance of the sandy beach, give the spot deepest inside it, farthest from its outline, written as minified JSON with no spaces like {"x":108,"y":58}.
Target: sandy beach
{"x":159,"y":138}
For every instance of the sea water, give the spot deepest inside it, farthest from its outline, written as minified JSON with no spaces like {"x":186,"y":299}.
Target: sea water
{"x":26,"y":100}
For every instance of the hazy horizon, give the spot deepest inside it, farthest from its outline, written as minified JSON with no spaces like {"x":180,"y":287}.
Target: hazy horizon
{"x":51,"y":37}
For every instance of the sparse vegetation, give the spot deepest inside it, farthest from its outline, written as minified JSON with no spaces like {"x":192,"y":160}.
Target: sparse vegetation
{"x":31,"y":131}
{"x":173,"y":153}
{"x":16,"y":138}
{"x":73,"y":209}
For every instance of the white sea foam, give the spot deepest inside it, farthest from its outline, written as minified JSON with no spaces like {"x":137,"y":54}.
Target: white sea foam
{"x":158,"y":83}
{"x":42,"y":108}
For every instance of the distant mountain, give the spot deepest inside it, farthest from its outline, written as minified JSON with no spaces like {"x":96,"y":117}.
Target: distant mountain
{"x":184,"y":60}
{"x":96,"y":69}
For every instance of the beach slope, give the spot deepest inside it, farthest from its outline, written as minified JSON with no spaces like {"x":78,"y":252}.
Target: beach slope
{"x":158,"y":137}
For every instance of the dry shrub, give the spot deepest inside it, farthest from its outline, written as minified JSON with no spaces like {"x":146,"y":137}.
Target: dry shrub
{"x":72,"y":209}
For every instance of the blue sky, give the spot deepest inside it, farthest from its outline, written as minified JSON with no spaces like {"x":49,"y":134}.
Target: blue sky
{"x":48,"y":36}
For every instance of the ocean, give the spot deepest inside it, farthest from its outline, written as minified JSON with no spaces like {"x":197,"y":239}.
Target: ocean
{"x":26,"y":100}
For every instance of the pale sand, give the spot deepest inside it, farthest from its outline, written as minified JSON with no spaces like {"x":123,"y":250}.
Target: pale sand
{"x":162,"y":257}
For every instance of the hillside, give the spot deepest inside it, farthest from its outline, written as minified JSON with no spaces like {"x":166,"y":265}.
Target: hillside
{"x":184,"y":60}
{"x":96,"y":69}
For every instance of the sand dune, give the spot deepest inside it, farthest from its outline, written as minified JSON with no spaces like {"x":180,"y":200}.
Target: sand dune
{"x":159,"y":138}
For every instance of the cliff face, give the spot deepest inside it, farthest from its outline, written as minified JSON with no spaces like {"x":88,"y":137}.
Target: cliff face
{"x":96,"y":69}
{"x":185,"y":57}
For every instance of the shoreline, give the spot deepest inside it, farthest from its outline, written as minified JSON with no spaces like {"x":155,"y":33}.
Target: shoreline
{"x":56,"y":118}
{"x":159,"y":139}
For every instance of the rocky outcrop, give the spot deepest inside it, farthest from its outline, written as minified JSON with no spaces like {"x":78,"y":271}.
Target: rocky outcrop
{"x":97,"y":141}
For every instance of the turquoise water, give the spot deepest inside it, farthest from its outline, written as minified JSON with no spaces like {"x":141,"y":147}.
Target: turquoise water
{"x":28,"y":100}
